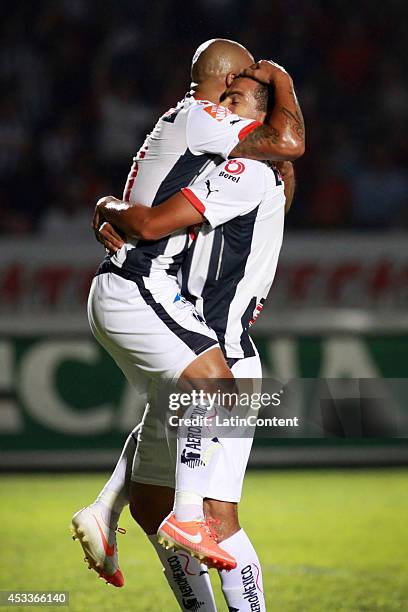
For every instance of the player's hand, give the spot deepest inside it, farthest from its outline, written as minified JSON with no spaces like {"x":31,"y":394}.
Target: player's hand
{"x":99,"y":218}
{"x":266,"y":72}
{"x":109,"y":237}
{"x":104,"y":231}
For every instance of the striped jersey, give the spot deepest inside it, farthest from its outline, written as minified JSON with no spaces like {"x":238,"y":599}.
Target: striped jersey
{"x":231,"y":265}
{"x":186,"y":144}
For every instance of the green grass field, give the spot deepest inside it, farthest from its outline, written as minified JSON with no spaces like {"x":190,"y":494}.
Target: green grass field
{"x":328,"y":541}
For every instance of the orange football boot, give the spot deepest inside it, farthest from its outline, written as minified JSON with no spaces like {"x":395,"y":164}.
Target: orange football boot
{"x":198,"y":538}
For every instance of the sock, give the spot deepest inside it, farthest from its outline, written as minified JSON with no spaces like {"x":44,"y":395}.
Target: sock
{"x":115,"y":494}
{"x":242,"y":586}
{"x":197,"y":447}
{"x":188,"y":579}
{"x":188,"y":506}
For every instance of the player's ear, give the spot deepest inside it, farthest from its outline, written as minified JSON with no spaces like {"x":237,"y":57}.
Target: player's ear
{"x":229,"y":78}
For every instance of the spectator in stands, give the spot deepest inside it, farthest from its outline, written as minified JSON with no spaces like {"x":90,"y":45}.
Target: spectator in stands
{"x":380,"y":191}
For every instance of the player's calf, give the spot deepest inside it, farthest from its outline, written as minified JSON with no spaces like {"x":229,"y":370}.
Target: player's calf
{"x":224,"y":516}
{"x":150,"y":504}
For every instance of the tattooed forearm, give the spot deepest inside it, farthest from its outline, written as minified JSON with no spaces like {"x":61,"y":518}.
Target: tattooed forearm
{"x":295,"y":120}
{"x":256,"y":142}
{"x":282,"y":137}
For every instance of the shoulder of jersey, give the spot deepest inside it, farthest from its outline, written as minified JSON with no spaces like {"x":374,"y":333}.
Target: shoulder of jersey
{"x":216,"y":111}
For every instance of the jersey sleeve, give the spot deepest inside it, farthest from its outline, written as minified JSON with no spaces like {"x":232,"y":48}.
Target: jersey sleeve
{"x":212,"y":128}
{"x":233,"y":188}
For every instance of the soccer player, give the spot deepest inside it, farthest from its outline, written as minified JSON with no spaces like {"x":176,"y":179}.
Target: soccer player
{"x":227,"y":274}
{"x":181,"y":148}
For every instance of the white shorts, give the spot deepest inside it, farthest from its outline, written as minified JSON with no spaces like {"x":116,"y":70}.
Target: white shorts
{"x":155,"y":458}
{"x":150,"y":331}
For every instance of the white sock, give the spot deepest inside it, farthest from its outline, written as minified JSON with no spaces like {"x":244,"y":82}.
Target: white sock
{"x":188,"y":579}
{"x":197,"y":447}
{"x":188,"y":506}
{"x":115,"y":494}
{"x":242,"y":586}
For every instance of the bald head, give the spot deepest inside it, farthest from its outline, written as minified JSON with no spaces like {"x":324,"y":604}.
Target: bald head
{"x":217,"y":58}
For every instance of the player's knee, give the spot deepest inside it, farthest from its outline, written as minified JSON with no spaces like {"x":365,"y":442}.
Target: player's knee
{"x":210,"y":373}
{"x":225,"y":389}
{"x":209,"y":365}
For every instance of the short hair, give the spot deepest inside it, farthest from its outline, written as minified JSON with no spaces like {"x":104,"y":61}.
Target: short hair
{"x":261,"y":95}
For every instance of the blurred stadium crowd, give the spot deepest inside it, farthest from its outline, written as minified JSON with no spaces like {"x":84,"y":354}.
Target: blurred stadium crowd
{"x":83,"y":81}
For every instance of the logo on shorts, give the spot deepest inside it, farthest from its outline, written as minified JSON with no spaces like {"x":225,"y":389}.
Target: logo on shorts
{"x":180,"y":301}
{"x":191,"y":459}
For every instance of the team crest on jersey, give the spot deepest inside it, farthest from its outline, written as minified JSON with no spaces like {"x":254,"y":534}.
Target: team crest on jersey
{"x":217,"y":111}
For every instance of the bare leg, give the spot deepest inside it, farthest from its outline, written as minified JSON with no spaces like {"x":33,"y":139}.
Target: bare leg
{"x":224,"y":515}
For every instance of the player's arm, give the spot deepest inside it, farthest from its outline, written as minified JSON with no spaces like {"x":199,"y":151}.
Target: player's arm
{"x":287,"y":173}
{"x":282,"y":137}
{"x":142,"y":221}
{"x":216,"y":199}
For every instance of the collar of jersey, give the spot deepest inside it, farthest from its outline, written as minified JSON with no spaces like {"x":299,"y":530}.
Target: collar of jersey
{"x":190,"y":94}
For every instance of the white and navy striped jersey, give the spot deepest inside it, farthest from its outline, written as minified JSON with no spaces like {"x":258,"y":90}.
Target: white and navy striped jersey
{"x":187,"y":142}
{"x":231,"y":265}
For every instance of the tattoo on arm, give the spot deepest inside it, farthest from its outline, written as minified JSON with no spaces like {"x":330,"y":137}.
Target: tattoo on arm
{"x":253,"y":143}
{"x":295,"y":120}
{"x":282,"y":141}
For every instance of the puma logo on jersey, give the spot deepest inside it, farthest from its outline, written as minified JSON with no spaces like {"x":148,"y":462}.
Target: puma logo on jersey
{"x":234,"y":121}
{"x":210,"y":191}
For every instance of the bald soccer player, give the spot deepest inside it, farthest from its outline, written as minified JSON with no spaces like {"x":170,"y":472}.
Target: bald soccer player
{"x":227,"y":274}
{"x":181,"y":149}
